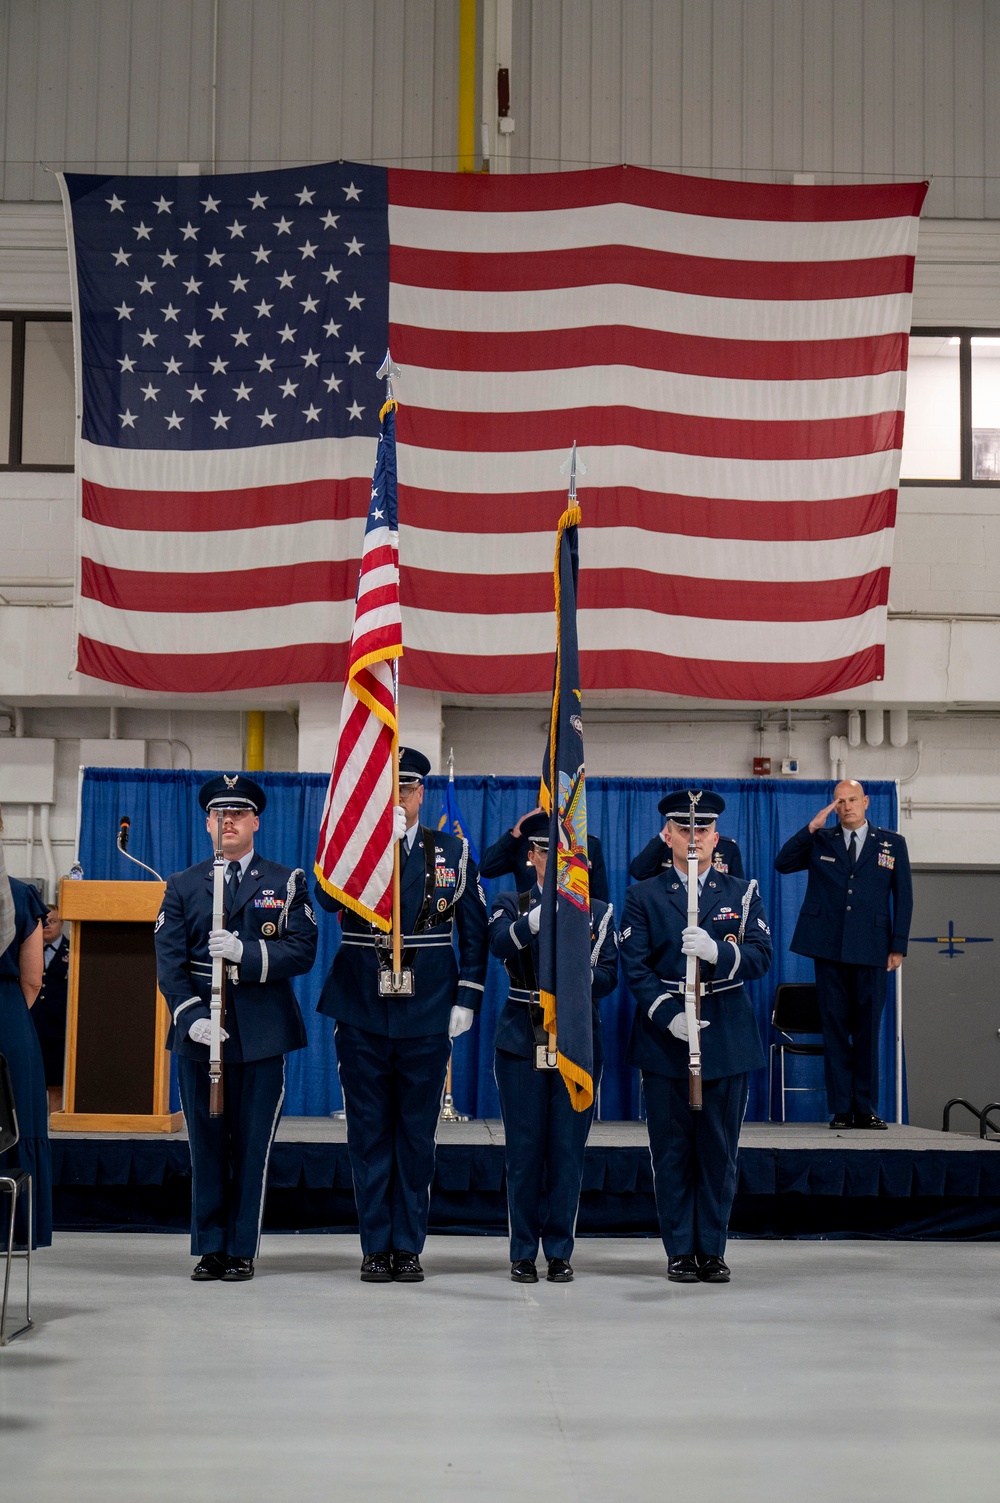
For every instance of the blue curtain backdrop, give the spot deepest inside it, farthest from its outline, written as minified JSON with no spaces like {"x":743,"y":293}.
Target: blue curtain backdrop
{"x":168,"y":832}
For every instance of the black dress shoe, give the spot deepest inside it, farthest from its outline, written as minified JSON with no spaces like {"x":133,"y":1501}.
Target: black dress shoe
{"x":406,"y":1268}
{"x":682,"y":1270}
{"x":212,"y":1266}
{"x":841,"y":1120}
{"x":238,"y":1270}
{"x":712,"y":1270}
{"x":524,"y":1271}
{"x":376,"y":1268}
{"x":560,"y":1272}
{"x":870,"y":1124}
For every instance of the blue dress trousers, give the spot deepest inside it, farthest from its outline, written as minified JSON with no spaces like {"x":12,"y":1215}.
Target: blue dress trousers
{"x":545,"y":1138}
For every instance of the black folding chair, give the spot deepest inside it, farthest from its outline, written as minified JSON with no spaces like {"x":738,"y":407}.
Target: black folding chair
{"x":796,"y":1011}
{"x":15,"y":1183}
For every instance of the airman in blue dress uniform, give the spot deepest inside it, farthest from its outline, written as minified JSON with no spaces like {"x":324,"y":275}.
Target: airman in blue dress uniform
{"x":694,"y":1153}
{"x":545,"y":1137}
{"x":657,"y":856}
{"x":509,"y":854}
{"x":270,"y":936}
{"x":393,"y":1051}
{"x":855,"y":923}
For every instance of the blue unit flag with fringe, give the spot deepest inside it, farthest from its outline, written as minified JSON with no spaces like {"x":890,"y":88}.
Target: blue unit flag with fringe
{"x":452,"y":821}
{"x":564,"y":933}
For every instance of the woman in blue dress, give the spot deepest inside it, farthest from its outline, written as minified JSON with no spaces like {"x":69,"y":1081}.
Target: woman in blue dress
{"x":20,"y":982}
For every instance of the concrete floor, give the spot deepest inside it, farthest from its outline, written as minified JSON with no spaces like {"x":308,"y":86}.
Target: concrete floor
{"x":842,"y":1371}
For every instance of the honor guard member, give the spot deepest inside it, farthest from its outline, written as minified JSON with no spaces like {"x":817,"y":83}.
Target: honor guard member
{"x":657,"y":855}
{"x":855,"y":923}
{"x":49,"y":1011}
{"x":270,"y":936}
{"x":545,"y":1137}
{"x":393,"y":1051}
{"x":509,"y":854}
{"x":694,"y":1153}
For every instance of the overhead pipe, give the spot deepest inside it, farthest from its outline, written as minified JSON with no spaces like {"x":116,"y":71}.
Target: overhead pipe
{"x":113,"y":723}
{"x":255,"y":741}
{"x":467,"y":86}
{"x":854,"y":728}
{"x":29,"y":843}
{"x":838,"y":758}
{"x":51,"y":885}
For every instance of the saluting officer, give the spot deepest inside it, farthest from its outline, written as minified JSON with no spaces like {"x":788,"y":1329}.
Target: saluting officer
{"x":509,"y":854}
{"x":855,"y":923}
{"x":270,"y":936}
{"x":657,"y":856}
{"x":545,"y":1137}
{"x":393,"y":1050}
{"x":694,"y":1153}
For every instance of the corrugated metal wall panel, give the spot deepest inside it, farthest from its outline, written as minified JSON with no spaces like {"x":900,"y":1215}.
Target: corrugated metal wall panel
{"x":991,"y":112}
{"x":817,"y":88}
{"x":752,"y":88}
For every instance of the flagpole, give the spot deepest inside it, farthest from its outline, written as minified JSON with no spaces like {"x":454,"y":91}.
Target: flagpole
{"x":448,"y":1112}
{"x":398,"y":982}
{"x":397,"y":938}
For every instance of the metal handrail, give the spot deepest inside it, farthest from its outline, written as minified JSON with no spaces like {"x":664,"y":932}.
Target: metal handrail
{"x":961,"y":1101}
{"x":982,"y":1117}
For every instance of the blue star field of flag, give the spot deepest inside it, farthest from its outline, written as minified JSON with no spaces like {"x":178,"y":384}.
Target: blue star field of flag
{"x":231,"y":311}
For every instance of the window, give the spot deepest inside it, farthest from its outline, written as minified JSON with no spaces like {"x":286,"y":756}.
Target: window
{"x":37,"y":425}
{"x":951,"y":431}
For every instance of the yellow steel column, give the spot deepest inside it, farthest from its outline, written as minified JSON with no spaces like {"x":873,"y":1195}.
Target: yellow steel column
{"x":255,"y":741}
{"x":467,"y":86}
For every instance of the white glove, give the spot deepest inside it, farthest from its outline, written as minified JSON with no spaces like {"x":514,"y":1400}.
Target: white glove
{"x":460,"y":1021}
{"x":200,"y":1032}
{"x":695,"y":941}
{"x":535,"y":918}
{"x":398,"y":821}
{"x":679,"y":1026}
{"x":222,"y":944}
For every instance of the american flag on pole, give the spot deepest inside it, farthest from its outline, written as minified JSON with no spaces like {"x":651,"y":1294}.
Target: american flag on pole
{"x":730,"y":356}
{"x":354,"y":856}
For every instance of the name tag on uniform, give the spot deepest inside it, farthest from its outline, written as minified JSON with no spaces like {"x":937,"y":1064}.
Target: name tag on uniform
{"x":884,"y":859}
{"x":828,"y":858}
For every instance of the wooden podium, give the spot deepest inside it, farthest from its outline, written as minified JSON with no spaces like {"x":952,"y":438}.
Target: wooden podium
{"x":117,"y":1068}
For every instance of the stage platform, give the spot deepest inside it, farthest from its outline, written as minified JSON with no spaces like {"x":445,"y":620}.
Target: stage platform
{"x":795,"y":1180}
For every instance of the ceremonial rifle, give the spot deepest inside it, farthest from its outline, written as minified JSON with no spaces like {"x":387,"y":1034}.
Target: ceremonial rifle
{"x":692,"y":978}
{"x":218,"y":1002}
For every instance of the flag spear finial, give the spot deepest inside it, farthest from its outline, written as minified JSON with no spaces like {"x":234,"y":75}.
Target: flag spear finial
{"x":451,"y":764}
{"x":388,"y":369}
{"x":575,"y":465}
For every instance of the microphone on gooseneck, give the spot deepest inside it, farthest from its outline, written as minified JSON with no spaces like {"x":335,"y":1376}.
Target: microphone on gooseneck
{"x":124,"y":826}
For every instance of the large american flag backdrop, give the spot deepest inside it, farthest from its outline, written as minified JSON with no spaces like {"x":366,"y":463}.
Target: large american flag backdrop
{"x":729,"y":356}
